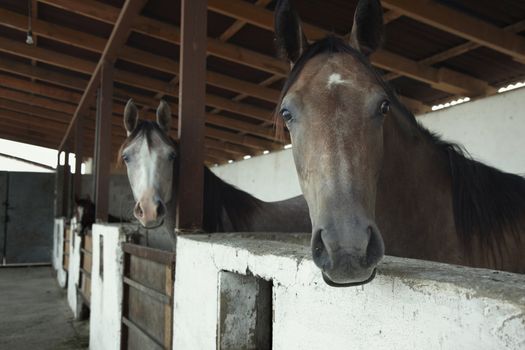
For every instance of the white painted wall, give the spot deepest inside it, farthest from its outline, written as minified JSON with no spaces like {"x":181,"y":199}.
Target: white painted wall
{"x":74,"y":269}
{"x":58,"y":251}
{"x":492,"y":130}
{"x":106,"y":290}
{"x":409,"y":305}
{"x":269,"y":177}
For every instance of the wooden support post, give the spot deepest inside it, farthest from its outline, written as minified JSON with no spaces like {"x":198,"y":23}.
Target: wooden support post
{"x":58,"y":187}
{"x":192,"y":115}
{"x":79,"y":144}
{"x":66,"y":185}
{"x":103,"y":139}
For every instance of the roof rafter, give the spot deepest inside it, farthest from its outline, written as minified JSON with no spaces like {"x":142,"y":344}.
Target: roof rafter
{"x":65,"y":95}
{"x":449,"y":20}
{"x":443,"y":79}
{"x":457,"y":50}
{"x":216,"y":47}
{"x":117,"y":39}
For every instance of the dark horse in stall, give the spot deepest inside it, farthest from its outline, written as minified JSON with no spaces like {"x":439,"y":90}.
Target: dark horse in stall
{"x":365,"y":164}
{"x":85,"y":214}
{"x":151,"y":158}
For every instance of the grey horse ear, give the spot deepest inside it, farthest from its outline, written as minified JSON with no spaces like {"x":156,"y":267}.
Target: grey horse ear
{"x":131,"y":116}
{"x":164,"y":116}
{"x":368,"y":28}
{"x":290,"y":39}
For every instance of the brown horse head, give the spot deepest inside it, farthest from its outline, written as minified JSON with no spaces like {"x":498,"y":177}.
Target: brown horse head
{"x":335,"y":107}
{"x":149,"y":154}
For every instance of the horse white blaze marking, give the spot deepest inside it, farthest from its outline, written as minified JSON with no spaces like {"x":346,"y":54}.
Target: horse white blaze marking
{"x":335,"y":79}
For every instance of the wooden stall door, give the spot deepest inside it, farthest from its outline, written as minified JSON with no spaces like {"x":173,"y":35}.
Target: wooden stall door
{"x":86,"y":249}
{"x":147,"y":309}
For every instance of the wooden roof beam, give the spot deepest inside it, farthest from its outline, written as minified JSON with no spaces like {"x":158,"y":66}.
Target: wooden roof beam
{"x":449,"y":81}
{"x":117,"y":39}
{"x":139,"y":81}
{"x":84,"y":66}
{"x":457,"y":50}
{"x":140,"y":57}
{"x":460,"y":24}
{"x":43,"y":106}
{"x":71,"y":97}
{"x":171,"y":33}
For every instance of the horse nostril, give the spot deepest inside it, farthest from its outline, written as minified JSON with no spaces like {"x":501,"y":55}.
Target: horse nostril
{"x":319,"y":252}
{"x":375,"y":248}
{"x":138,"y":211}
{"x":160,"y":210}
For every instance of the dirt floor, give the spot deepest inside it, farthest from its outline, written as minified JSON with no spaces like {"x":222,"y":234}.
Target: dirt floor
{"x":34,"y":313}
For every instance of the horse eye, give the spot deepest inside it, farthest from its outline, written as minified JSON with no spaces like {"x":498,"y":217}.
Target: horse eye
{"x":125,"y":158}
{"x":172,"y":156}
{"x":385,"y":107}
{"x":286,"y":115}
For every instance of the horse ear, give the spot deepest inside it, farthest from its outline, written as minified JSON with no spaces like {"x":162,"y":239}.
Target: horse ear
{"x":131,"y":116}
{"x":164,"y":116}
{"x":367,"y":30}
{"x":290,"y":39}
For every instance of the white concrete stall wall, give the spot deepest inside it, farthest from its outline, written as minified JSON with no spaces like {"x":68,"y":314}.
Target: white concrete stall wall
{"x":106,"y":287}
{"x":58,"y":251}
{"x":409,"y":305}
{"x":74,"y":270}
{"x":491,"y":129}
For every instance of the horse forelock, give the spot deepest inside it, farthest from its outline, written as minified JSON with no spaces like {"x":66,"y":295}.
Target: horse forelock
{"x":146,"y":129}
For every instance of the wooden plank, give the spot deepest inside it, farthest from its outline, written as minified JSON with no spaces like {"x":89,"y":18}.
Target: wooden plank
{"x":148,"y":291}
{"x":459,"y":23}
{"x":38,"y":88}
{"x":160,"y":256}
{"x":192,"y":98}
{"x":43,"y":74}
{"x":29,"y":120}
{"x":141,"y":332}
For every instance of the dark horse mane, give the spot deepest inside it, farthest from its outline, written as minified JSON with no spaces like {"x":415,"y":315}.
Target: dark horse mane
{"x":88,"y":218}
{"x":486,"y":202}
{"x":218,"y":194}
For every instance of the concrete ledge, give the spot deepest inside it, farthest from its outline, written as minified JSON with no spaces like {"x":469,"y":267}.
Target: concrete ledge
{"x":410,"y":305}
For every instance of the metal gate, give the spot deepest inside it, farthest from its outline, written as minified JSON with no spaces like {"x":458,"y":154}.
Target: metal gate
{"x":147,"y":308}
{"x":26,"y":218}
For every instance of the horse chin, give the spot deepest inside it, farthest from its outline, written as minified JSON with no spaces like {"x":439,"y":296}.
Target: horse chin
{"x":153,"y":226}
{"x":350,"y":284}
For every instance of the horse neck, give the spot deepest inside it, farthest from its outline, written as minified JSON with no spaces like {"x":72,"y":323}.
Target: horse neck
{"x":226,"y":208}
{"x":414,"y":198}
